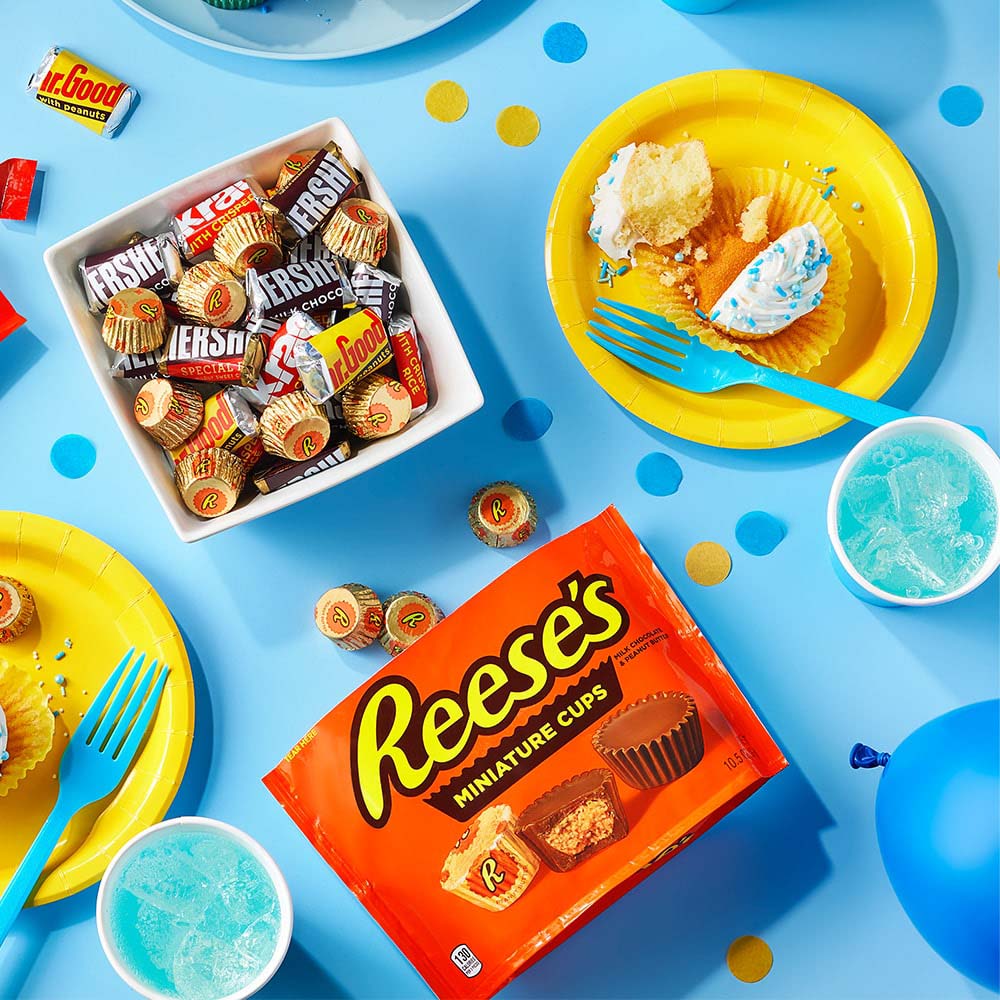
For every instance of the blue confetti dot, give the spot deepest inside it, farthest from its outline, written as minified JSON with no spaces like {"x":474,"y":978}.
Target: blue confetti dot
{"x":659,"y":474}
{"x":528,"y":419}
{"x":564,"y":42}
{"x":73,"y":456}
{"x":960,"y":105}
{"x":759,"y":533}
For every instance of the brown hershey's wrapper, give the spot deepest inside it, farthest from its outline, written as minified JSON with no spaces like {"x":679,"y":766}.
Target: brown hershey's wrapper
{"x":320,"y":186}
{"x":212,"y":354}
{"x":281,"y":474}
{"x":310,"y":286}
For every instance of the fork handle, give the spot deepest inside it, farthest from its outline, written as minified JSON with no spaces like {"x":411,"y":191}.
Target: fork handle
{"x":868,"y":411}
{"x":26,"y":876}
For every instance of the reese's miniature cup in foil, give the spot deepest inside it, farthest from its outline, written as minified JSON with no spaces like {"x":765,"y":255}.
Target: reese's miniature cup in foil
{"x":408,"y":615}
{"x":211,"y":293}
{"x":248,"y":241}
{"x":358,"y":230}
{"x":135,"y":321}
{"x":168,"y":411}
{"x":376,"y":407}
{"x":150,"y":262}
{"x":482,"y":821}
{"x":294,"y":427}
{"x":349,"y":615}
{"x":210,"y":481}
{"x":198,"y":226}
{"x":502,"y":515}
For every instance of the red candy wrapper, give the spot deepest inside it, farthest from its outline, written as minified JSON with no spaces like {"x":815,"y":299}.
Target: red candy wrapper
{"x":527,"y":760}
{"x":10,"y":319}
{"x":17,"y":179}
{"x":279,"y":375}
{"x":406,"y":352}
{"x":198,"y":226}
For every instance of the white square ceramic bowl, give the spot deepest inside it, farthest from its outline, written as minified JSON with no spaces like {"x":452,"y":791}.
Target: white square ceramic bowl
{"x":455,"y":393}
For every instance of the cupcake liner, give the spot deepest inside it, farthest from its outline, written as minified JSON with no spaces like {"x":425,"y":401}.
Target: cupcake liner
{"x":211,"y":293}
{"x":800,"y":346}
{"x":210,"y":481}
{"x":491,"y":835}
{"x":359,"y":231}
{"x":30,"y":725}
{"x":376,"y":407}
{"x":17,"y":609}
{"x":170,"y":413}
{"x":662,"y":759}
{"x":135,"y":322}
{"x":294,"y":427}
{"x":249,"y":240}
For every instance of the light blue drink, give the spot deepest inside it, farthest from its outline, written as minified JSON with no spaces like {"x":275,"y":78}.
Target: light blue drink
{"x":917,"y":515}
{"x":194,"y":915}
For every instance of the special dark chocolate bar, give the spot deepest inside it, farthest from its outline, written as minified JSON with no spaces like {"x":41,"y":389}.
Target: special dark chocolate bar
{"x":574,"y":820}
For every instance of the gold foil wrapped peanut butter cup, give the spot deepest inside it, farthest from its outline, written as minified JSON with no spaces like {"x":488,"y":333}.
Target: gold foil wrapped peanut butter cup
{"x":211,"y":293}
{"x":503,"y":515}
{"x":17,"y":609}
{"x":294,"y":427}
{"x":292,"y":167}
{"x":408,"y":615}
{"x":249,"y":241}
{"x":490,"y":865}
{"x":349,"y":615}
{"x":210,"y":481}
{"x":377,"y":406}
{"x":358,"y":230}
{"x":168,"y":411}
{"x":135,"y":321}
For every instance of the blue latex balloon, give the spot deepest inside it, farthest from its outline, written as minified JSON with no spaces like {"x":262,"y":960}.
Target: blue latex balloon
{"x":938,"y":830}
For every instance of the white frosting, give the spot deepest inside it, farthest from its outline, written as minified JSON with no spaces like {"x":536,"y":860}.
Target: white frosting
{"x":777,"y":286}
{"x":3,"y":738}
{"x":609,"y":228}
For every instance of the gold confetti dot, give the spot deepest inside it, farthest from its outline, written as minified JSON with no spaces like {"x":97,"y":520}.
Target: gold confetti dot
{"x":708,"y":563}
{"x":446,"y":101}
{"x":749,"y":959}
{"x":518,"y":125}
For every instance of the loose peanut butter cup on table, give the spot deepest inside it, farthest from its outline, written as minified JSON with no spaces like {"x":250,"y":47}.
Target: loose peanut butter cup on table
{"x":653,"y":741}
{"x":350,"y":615}
{"x":574,"y":820}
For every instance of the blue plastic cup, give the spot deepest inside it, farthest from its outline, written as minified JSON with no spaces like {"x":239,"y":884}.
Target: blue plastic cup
{"x":964,"y":438}
{"x":699,"y":6}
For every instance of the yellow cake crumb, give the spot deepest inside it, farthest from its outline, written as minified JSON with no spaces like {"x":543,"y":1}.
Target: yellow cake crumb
{"x":753,"y":221}
{"x":667,"y":191}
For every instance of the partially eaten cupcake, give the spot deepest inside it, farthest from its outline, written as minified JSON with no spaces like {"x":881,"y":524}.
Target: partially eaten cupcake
{"x":747,"y":259}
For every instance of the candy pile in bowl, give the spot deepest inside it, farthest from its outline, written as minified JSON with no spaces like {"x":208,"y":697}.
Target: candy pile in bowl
{"x":262,"y":338}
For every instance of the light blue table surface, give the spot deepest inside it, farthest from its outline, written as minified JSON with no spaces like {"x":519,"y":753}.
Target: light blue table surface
{"x":797,"y":864}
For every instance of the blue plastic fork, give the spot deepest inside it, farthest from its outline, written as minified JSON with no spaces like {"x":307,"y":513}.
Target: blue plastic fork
{"x":93,"y":764}
{"x":679,"y":359}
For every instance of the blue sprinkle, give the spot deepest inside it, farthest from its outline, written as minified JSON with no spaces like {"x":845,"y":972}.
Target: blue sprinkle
{"x":781,"y":291}
{"x":733,"y":303}
{"x":698,"y":312}
{"x":714,"y":316}
{"x":4,"y":756}
{"x":750,"y":322}
{"x":759,"y":533}
{"x":659,"y":474}
{"x":827,"y":192}
{"x":678,"y":256}
{"x":857,"y":206}
{"x":787,"y":317}
{"x":614,"y":157}
{"x":60,"y":679}
{"x":828,"y":170}
{"x":622,"y":270}
{"x":611,"y":180}
{"x":60,"y":655}
{"x":779,"y":248}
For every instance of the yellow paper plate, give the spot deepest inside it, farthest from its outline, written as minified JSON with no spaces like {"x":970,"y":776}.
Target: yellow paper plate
{"x":89,"y":593}
{"x":752,"y":118}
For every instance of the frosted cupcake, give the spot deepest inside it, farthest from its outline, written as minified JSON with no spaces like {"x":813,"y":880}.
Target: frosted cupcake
{"x":27,"y":726}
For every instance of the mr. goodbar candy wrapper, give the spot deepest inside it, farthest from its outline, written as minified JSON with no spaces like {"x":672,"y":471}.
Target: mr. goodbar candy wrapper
{"x":527,"y":761}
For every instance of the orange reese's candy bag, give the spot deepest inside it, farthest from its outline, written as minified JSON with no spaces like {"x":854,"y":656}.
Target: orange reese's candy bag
{"x":527,"y":761}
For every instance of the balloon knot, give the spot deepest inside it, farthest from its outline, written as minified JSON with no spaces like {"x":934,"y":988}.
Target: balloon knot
{"x":865,"y":756}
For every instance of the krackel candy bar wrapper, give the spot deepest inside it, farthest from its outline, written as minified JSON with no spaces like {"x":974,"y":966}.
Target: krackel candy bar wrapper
{"x":527,"y":760}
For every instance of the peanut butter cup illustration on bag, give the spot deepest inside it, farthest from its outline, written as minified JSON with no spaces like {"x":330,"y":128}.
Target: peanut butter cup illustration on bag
{"x":490,"y":865}
{"x":653,"y":741}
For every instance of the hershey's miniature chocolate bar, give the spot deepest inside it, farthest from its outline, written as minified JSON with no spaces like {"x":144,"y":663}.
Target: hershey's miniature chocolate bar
{"x":319,"y":187}
{"x":286,"y":473}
